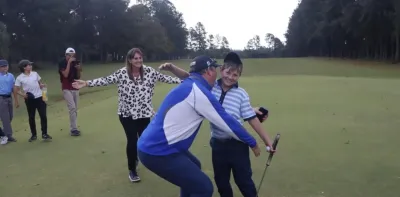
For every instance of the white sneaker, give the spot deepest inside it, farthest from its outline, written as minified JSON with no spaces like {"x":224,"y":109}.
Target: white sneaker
{"x":3,"y":140}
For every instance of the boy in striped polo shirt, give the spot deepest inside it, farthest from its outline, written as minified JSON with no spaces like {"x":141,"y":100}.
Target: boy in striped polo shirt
{"x":229,"y":154}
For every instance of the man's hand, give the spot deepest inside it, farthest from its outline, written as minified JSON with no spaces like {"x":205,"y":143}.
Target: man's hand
{"x":42,"y":85}
{"x":256,"y":150}
{"x":166,"y":67}
{"x":71,"y":59}
{"x":260,"y":113}
{"x":16,"y":104}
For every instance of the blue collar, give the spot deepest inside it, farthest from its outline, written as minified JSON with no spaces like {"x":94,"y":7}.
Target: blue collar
{"x":219,"y":81}
{"x":199,"y":78}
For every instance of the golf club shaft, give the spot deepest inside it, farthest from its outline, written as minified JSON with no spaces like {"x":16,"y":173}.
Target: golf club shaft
{"x":274,"y":145}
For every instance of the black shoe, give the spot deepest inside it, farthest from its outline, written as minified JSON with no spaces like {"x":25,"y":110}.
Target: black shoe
{"x":75,"y":133}
{"x":133,"y":176}
{"x":46,"y":137}
{"x":11,"y":139}
{"x":33,"y":138}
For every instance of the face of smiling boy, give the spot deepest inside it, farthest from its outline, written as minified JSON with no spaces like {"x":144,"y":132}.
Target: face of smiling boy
{"x":230,"y":74}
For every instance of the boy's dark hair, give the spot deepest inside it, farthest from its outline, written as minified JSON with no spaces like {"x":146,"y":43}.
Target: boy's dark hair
{"x":232,"y":62}
{"x":22,"y":68}
{"x":22,"y":64}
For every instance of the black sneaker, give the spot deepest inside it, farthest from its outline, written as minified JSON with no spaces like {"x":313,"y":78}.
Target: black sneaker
{"x":75,"y":133}
{"x":46,"y":137}
{"x":33,"y":138}
{"x":11,"y":139}
{"x":133,"y":176}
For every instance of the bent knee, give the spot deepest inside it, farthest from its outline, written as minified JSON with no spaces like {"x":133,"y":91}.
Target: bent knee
{"x":208,"y":189}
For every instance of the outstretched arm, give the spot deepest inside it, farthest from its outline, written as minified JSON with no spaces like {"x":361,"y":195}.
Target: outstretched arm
{"x":167,"y":79}
{"x":179,"y":72}
{"x":102,"y":81}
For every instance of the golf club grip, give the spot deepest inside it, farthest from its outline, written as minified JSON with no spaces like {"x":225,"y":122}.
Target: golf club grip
{"x":275,"y":144}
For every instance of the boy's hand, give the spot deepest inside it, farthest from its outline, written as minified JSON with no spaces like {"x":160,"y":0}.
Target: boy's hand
{"x":256,"y":150}
{"x":270,"y":149}
{"x":260,"y":113}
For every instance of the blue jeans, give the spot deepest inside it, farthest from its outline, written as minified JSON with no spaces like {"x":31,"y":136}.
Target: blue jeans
{"x":232,"y":155}
{"x":181,"y":169}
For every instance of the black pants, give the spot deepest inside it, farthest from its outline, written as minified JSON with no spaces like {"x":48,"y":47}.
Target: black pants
{"x":232,"y":155}
{"x":37,"y":104}
{"x":133,"y":130}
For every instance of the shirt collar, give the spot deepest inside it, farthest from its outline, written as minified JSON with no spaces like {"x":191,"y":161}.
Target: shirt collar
{"x":219,"y":81}
{"x":200,"y":78}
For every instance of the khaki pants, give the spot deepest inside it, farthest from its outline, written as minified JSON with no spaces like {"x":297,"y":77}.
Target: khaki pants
{"x":72,"y":97}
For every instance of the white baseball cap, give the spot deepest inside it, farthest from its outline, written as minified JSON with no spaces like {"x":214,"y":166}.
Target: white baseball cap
{"x":70,"y":50}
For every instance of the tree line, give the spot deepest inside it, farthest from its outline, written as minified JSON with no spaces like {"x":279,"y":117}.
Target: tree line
{"x":101,"y":30}
{"x":367,"y":29}
{"x":104,"y":30}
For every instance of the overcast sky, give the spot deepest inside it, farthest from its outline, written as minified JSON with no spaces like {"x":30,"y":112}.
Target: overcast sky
{"x":238,"y":20}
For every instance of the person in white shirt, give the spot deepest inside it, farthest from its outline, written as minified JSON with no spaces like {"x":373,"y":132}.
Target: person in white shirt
{"x":32,"y":93}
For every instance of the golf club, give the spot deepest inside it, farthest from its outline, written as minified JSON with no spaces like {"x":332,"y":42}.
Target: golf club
{"x":271,"y":154}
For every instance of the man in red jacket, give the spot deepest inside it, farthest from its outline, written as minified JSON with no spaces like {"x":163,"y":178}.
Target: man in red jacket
{"x":70,"y":70}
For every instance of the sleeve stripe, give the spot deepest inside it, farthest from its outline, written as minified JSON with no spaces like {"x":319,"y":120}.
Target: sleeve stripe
{"x":250,"y":118}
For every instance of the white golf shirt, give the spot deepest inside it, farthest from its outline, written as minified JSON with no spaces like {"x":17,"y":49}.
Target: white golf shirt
{"x":29,"y":83}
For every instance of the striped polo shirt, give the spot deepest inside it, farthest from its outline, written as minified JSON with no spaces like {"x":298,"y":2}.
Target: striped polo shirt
{"x":236,"y":102}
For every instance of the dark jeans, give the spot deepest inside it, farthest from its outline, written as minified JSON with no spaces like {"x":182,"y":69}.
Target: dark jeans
{"x":181,"y":169}
{"x":232,"y":155}
{"x":2,"y":134}
{"x":37,"y":104}
{"x":133,"y":130}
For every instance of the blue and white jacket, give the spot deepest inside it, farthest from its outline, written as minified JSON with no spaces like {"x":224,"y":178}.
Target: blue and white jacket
{"x":180,"y":115}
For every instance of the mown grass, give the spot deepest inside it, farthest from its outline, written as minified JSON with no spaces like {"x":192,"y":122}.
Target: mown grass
{"x":338,"y":119}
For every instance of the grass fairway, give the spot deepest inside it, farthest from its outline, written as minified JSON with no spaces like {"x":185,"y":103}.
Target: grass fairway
{"x":339,"y":123}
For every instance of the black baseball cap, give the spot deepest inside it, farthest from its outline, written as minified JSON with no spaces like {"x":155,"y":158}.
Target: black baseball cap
{"x":202,"y":62}
{"x":24,"y":63}
{"x":233,"y":57}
